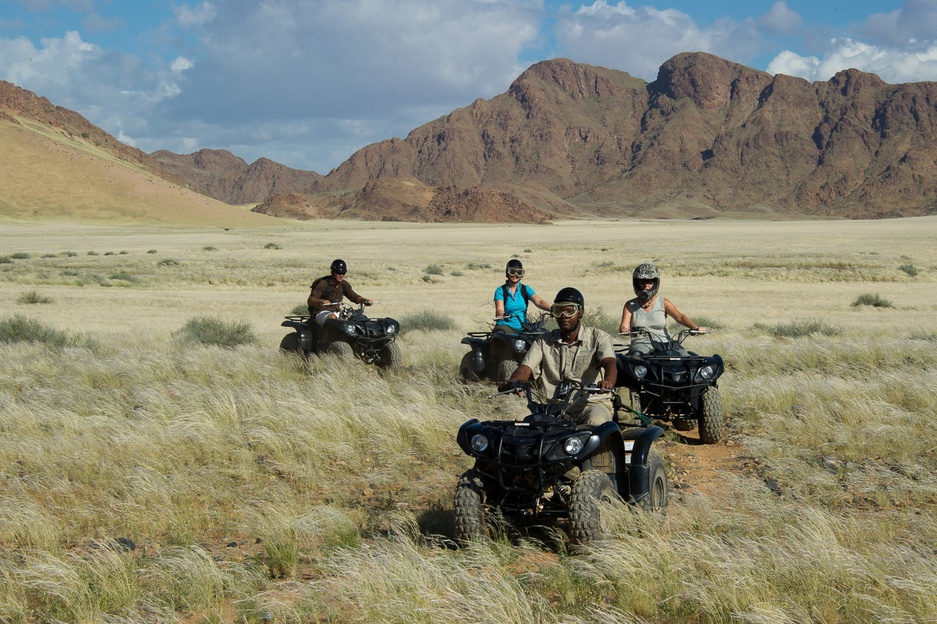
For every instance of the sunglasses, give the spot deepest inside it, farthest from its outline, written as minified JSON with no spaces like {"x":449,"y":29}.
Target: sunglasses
{"x":515,"y":272}
{"x":564,"y":310}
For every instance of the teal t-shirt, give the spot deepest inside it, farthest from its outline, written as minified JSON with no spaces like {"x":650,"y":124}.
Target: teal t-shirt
{"x":515,"y":308}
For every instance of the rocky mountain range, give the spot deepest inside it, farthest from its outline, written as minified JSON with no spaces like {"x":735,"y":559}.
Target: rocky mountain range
{"x":707,"y":138}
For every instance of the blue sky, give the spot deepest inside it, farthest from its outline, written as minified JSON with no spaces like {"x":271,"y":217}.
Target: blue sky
{"x":308,"y":82}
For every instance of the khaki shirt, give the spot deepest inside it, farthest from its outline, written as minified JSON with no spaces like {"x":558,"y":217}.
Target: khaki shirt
{"x":554,"y":361}
{"x":327,"y":288}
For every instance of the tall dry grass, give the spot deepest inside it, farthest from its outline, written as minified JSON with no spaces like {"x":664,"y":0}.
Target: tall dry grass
{"x":144,"y":478}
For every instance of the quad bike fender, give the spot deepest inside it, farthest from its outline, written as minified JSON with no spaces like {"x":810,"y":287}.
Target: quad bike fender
{"x":466,"y":431}
{"x":478,"y":346}
{"x":305,"y":332}
{"x":640,"y":439}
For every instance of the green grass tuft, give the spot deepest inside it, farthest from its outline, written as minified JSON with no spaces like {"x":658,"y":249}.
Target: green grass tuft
{"x":871,"y":300}
{"x":426,"y":321}
{"x":18,"y":328}
{"x":213,"y":331}
{"x":32,"y":297}
{"x":799,"y":329}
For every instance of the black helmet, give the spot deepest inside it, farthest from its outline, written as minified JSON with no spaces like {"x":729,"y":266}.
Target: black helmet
{"x":644,"y":273}
{"x":339,"y":266}
{"x":570,"y":295}
{"x":515,"y":264}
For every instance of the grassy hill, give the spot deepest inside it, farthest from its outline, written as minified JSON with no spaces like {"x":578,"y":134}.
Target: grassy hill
{"x":49,"y":174}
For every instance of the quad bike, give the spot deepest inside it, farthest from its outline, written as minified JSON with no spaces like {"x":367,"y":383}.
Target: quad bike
{"x":546,"y":468}
{"x":674,"y":385}
{"x":496,"y":354}
{"x":352,"y":334}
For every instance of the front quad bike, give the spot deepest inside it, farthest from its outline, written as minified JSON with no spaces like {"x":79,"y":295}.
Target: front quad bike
{"x":495,"y":354}
{"x":352,"y":334}
{"x":546,"y":468}
{"x":675,"y":385}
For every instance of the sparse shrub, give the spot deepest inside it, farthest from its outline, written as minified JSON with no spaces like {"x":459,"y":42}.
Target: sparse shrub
{"x":271,"y":246}
{"x":18,"y":328}
{"x":527,"y":251}
{"x":209,"y":248}
{"x":92,"y":253}
{"x":457,"y":274}
{"x":125,"y":276}
{"x":799,"y":329}
{"x":108,"y":253}
{"x":428,"y":279}
{"x":151,"y":251}
{"x":48,"y":255}
{"x":301,"y":309}
{"x":213,"y":331}
{"x":426,"y":321}
{"x":33,"y":297}
{"x":122,"y":253}
{"x":871,"y":300}
{"x":20,"y":255}
{"x":6,"y":260}
{"x":70,"y":254}
{"x":472,"y":266}
{"x":433,"y":269}
{"x":910,"y":269}
{"x":930,"y":337}
{"x":166,"y":262}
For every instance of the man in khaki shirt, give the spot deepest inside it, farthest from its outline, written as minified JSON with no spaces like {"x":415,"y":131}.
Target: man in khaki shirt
{"x":584,"y":355}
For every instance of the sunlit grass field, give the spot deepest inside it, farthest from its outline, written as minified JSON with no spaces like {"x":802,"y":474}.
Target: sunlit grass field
{"x":146,"y":477}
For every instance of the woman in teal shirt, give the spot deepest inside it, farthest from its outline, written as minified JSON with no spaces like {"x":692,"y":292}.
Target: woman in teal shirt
{"x":511,"y":299}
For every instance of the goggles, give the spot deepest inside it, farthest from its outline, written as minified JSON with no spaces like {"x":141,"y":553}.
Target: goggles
{"x":512,"y":272}
{"x":564,"y":310}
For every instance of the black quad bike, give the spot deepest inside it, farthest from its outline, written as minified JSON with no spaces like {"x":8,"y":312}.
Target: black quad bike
{"x":674,"y":385}
{"x":546,"y":468}
{"x":352,"y":334}
{"x":496,"y":354}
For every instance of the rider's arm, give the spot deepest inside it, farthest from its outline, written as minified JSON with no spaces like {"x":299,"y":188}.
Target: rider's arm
{"x":672,"y":311}
{"x":540,"y":303}
{"x":625,"y":325}
{"x":499,"y":308}
{"x":610,"y":367}
{"x":349,"y":292}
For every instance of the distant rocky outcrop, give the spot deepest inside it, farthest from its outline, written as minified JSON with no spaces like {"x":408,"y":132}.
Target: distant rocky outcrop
{"x":222,"y":175}
{"x":406,"y":199}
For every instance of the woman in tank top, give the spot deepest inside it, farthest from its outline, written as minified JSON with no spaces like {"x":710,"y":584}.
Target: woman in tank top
{"x":650,"y":311}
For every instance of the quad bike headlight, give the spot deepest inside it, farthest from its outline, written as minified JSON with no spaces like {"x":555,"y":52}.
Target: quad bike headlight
{"x":479,"y":443}
{"x":640,"y":371}
{"x":573,"y":445}
{"x":391,"y":327}
{"x":706,"y":372}
{"x":348,"y":328}
{"x":520,"y":346}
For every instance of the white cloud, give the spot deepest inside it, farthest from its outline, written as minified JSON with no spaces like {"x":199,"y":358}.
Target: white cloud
{"x":893,"y":65}
{"x":781,"y":20}
{"x":639,"y":39}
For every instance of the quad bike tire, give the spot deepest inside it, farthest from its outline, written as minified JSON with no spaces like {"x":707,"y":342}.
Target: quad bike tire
{"x":290,"y":343}
{"x":711,"y":418}
{"x":684,"y":424}
{"x":504,"y":370}
{"x":592,"y":493}
{"x":341,"y":350}
{"x":656,"y":500}
{"x":465,"y":368}
{"x":391,"y":357}
{"x":468,"y":509}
